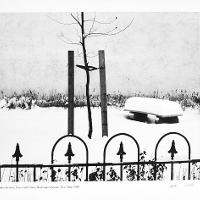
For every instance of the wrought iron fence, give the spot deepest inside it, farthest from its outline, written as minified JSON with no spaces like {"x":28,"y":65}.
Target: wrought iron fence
{"x":104,"y":171}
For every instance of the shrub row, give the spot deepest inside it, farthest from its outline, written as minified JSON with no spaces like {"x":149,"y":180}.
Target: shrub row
{"x":28,"y":99}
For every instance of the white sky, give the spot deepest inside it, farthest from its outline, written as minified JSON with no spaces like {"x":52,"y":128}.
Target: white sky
{"x":159,"y":51}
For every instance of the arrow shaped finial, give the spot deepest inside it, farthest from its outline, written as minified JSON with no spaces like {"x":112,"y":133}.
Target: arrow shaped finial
{"x":69,"y":152}
{"x":172,"y":150}
{"x":121,"y":151}
{"x":17,"y":153}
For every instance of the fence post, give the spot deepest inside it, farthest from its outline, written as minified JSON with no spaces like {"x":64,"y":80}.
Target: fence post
{"x":155,"y":172}
{"x":17,"y":155}
{"x":69,"y":154}
{"x":0,"y":174}
{"x":172,"y":151}
{"x":34,"y":173}
{"x":172,"y":171}
{"x":121,"y":153}
{"x":86,"y":171}
{"x":189,"y":171}
{"x":138,"y":171}
{"x":103,"y":96}
{"x":71,"y":92}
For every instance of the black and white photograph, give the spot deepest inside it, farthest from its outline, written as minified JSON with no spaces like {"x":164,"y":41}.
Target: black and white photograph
{"x":99,"y":97}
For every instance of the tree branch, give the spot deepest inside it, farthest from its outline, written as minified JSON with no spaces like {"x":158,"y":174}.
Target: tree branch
{"x":93,"y":22}
{"x":76,"y":19}
{"x":99,"y":22}
{"x":108,"y":33}
{"x":69,"y":42}
{"x":101,"y":33}
{"x":59,"y":22}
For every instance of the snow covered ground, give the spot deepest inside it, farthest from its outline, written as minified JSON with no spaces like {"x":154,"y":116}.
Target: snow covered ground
{"x":36,"y":131}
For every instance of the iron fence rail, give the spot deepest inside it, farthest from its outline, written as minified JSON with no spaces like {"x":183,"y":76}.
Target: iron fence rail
{"x":98,"y":164}
{"x":34,"y":167}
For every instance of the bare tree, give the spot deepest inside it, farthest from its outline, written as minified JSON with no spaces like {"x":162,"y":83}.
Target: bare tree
{"x":83,"y":34}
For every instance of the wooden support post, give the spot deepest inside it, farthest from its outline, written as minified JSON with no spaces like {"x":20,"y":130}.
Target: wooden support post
{"x":71,"y":92}
{"x":103,"y":96}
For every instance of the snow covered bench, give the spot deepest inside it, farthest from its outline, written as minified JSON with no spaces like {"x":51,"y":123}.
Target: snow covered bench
{"x":167,"y":111}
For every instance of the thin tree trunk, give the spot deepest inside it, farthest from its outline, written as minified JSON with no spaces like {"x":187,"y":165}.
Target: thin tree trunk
{"x":88,"y":78}
{"x":88,"y":105}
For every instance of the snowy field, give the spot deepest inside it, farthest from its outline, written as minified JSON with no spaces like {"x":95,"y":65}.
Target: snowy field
{"x":37,"y":130}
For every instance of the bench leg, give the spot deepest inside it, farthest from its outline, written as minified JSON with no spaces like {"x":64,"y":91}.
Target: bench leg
{"x":168,"y":120}
{"x":140,"y":117}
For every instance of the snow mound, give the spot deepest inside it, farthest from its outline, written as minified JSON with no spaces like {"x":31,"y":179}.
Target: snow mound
{"x":158,"y":107}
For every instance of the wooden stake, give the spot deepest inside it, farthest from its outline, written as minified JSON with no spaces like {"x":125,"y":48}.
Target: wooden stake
{"x":103,"y":93}
{"x":71,"y":92}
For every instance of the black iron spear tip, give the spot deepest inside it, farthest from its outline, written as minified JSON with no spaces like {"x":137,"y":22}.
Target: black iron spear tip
{"x":121,"y":151}
{"x":69,"y":152}
{"x":173,"y":150}
{"x":17,"y":153}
